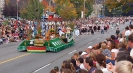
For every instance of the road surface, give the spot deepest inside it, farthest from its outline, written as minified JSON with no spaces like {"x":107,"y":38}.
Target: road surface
{"x":12,"y":61}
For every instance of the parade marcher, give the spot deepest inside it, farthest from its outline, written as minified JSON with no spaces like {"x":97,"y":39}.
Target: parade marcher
{"x":117,"y":31}
{"x":77,"y":32}
{"x":105,"y":28}
{"x":102,"y":29}
{"x":98,"y":28}
{"x":92,"y":31}
{"x":95,"y":28}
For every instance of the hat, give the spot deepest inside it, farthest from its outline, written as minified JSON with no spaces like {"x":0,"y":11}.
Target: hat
{"x":90,"y":47}
{"x":83,"y":53}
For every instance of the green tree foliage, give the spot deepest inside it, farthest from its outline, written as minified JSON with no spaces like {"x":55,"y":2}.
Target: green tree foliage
{"x":33,"y":10}
{"x":79,"y":5}
{"x":126,"y":6}
{"x":66,"y":9}
{"x":89,"y":7}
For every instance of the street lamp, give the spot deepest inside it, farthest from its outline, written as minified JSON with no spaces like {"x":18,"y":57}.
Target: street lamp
{"x":101,"y":10}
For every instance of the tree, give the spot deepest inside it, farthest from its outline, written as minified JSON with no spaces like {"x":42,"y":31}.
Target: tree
{"x":89,"y":7}
{"x":49,"y":7}
{"x":66,"y":9}
{"x":33,"y":10}
{"x":111,"y":4}
{"x":9,"y":9}
{"x":128,"y":9}
{"x":79,"y":5}
{"x":124,"y":7}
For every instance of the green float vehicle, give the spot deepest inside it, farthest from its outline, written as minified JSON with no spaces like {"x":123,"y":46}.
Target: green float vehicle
{"x":52,"y":43}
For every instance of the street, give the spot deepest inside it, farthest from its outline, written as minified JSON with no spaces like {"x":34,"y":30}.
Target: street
{"x":12,"y":61}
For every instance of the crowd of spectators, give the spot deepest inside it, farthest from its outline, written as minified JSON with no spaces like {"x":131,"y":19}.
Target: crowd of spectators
{"x":113,"y":55}
{"x":92,"y":25}
{"x":12,"y":30}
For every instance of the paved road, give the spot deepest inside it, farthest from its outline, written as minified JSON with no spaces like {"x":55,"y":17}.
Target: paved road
{"x":12,"y":61}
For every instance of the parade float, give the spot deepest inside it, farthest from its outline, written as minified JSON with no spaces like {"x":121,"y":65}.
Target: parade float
{"x":53,"y":41}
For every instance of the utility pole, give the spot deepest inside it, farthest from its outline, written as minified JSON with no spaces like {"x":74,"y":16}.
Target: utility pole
{"x":84,"y":8}
{"x":17,"y":9}
{"x":104,"y":9}
{"x":38,"y":11}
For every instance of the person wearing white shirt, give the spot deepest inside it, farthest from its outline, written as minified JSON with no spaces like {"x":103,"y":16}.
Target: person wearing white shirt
{"x":79,"y":63}
{"x":77,"y":33}
{"x":127,"y":31}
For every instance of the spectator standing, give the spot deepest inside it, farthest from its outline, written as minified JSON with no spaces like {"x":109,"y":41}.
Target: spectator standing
{"x":105,"y":51}
{"x":130,"y":42}
{"x":79,"y":62}
{"x":131,"y":28}
{"x":114,"y":51}
{"x":88,"y":63}
{"x":124,"y":55}
{"x":121,"y":46}
{"x":52,"y":71}
{"x":101,"y":63}
{"x":98,"y":71}
{"x":66,"y":71}
{"x":56,"y":68}
{"x":113,"y":38}
{"x":73,"y":61}
{"x":123,"y":67}
{"x":127,"y":33}
{"x":84,"y":55}
{"x":80,"y":71}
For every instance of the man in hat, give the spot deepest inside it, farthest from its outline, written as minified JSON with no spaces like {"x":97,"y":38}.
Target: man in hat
{"x":89,"y":49}
{"x":84,"y":55}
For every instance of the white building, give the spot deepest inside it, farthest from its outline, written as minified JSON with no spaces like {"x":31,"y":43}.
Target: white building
{"x":2,"y":2}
